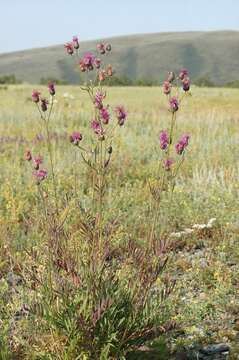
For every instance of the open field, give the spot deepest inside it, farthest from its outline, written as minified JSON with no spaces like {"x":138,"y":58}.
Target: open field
{"x":204,"y":263}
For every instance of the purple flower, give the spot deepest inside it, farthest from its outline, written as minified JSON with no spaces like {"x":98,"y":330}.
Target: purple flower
{"x":75,"y":137}
{"x":183,"y":73}
{"x":97,"y":127}
{"x":44,"y":104}
{"x":37,"y":161}
{"x":164,"y":139}
{"x":167,"y":163}
{"x":69,"y":48}
{"x":105,"y":115}
{"x":182,"y":144}
{"x":99,"y":97}
{"x":35,"y":96}
{"x":167,"y":87}
{"x":51,"y":88}
{"x":40,"y":175}
{"x":88,"y":60}
{"x":173,"y":102}
{"x":120,"y":114}
{"x":186,"y":83}
{"x":75,"y":42}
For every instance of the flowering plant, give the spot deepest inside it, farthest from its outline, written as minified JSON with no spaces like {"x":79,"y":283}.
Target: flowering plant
{"x":101,"y":299}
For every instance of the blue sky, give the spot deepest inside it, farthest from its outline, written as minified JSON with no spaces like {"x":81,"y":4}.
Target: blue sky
{"x":33,"y":23}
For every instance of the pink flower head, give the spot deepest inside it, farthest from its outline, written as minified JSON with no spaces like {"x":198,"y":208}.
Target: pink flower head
{"x":75,"y":137}
{"x":88,"y":60}
{"x":167,"y":87}
{"x":35,"y":96}
{"x":183,"y":73}
{"x":69,"y":48}
{"x":167,"y":163}
{"x":164,"y":140}
{"x":97,"y":63}
{"x":120,"y":114}
{"x":51,"y":88}
{"x":186,"y":83}
{"x":44,"y":104}
{"x":28,"y":155}
{"x":75,"y":42}
{"x":101,"y":48}
{"x":105,"y":115}
{"x":97,"y":127}
{"x":182,"y":144}
{"x":173,"y":102}
{"x":99,"y":97}
{"x":40,"y":175}
{"x":37,"y":161}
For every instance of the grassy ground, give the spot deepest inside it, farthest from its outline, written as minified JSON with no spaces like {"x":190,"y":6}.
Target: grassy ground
{"x":205,"y":264}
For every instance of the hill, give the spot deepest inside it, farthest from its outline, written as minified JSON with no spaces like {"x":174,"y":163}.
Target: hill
{"x":146,"y":56}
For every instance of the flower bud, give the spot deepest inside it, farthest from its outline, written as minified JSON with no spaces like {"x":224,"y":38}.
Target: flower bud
{"x":186,"y":83}
{"x":28,"y":155}
{"x":51,"y":88}
{"x":120,"y":114}
{"x":173,"y":102}
{"x":171,"y":76}
{"x":101,"y":48}
{"x":108,"y":47}
{"x":97,"y":63}
{"x":167,"y":87}
{"x":69,"y":48}
{"x":109,"y":70}
{"x":35,"y":96}
{"x":101,"y":75}
{"x":183,"y":73}
{"x":75,"y":42}
{"x":110,"y":150}
{"x":44,"y":104}
{"x":167,"y":164}
{"x":37,"y":161}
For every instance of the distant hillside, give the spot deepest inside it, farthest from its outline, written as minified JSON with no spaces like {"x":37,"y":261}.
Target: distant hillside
{"x":146,"y":56}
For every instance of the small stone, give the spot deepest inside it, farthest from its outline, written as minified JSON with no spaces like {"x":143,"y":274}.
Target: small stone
{"x":215,"y":349}
{"x":13,"y":279}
